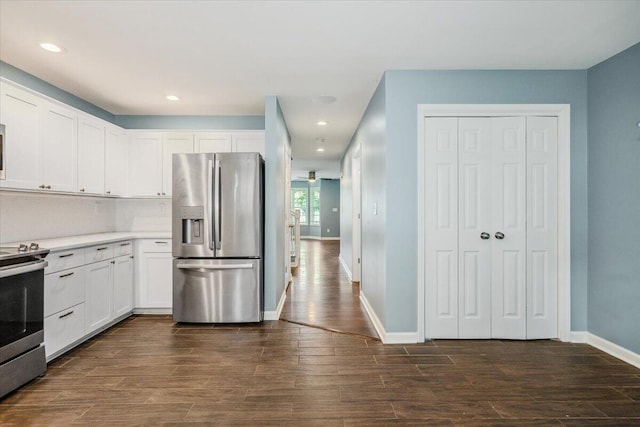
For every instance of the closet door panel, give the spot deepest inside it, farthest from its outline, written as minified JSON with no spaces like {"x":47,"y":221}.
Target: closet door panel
{"x":508,"y":258}
{"x":475,"y":200}
{"x":441,"y":227}
{"x":542,"y":227}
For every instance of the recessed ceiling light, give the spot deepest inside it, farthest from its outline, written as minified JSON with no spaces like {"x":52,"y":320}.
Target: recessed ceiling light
{"x":320,"y":149}
{"x":173,"y":98}
{"x":50,"y":47}
{"x":325,"y":99}
{"x":322,"y":123}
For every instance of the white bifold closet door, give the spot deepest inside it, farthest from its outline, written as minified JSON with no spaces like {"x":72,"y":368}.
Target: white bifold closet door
{"x":491,"y":227}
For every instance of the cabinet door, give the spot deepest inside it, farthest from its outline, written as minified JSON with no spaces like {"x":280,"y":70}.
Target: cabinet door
{"x":115,"y":162}
{"x":63,"y":329}
{"x":122,"y":286}
{"x":91,"y":135}
{"x":213,"y":142}
{"x":19,"y":112}
{"x":156,"y":279}
{"x":250,"y":142}
{"x":98,"y":294}
{"x":173,"y":143}
{"x":145,"y":164}
{"x":59,"y":148}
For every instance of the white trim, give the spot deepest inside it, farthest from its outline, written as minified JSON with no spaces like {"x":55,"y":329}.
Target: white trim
{"x":614,"y":349}
{"x":579,"y":337}
{"x":319,"y":238}
{"x":152,"y":311}
{"x":562,"y":112}
{"x":388,"y":337}
{"x":275,"y":315}
{"x":346,"y":267}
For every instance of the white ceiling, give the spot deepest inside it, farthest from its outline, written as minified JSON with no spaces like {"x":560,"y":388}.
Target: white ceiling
{"x":222,"y":58}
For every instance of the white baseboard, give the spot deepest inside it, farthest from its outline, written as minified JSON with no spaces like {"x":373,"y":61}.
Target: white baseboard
{"x":275,"y":315}
{"x":318,"y":238}
{"x":345,"y":266}
{"x":387,"y":337}
{"x":579,"y":337}
{"x":614,"y":349}
{"x":152,"y":311}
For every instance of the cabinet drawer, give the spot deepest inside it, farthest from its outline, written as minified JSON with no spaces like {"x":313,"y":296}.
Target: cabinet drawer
{"x":155,"y":245}
{"x":123,"y":248}
{"x":63,"y":289}
{"x":98,"y":253}
{"x":64,"y":260}
{"x":63,"y":328}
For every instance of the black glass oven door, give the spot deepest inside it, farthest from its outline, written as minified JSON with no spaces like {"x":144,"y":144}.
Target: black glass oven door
{"x":21,"y":306}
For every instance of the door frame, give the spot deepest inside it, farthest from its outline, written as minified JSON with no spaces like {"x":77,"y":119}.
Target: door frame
{"x":562,"y":112}
{"x":356,"y":223}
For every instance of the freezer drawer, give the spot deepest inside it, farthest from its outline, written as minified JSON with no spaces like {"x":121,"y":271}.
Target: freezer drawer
{"x":217,"y":290}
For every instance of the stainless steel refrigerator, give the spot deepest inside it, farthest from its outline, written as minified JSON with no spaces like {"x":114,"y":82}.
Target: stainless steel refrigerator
{"x":218,"y":237}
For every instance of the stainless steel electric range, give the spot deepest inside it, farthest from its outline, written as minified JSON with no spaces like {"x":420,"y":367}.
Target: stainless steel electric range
{"x":22,"y":356}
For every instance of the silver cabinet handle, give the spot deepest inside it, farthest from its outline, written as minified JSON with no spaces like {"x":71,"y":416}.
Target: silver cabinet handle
{"x":215,"y":267}
{"x":66,"y":275}
{"x":102,"y":249}
{"x":161,"y":242}
{"x":125,"y":244}
{"x":499,"y":235}
{"x":484,"y":235}
{"x":65,"y":315}
{"x":65,"y":255}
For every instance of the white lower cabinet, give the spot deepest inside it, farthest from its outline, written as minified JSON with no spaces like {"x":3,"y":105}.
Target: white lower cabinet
{"x":155,"y":274}
{"x":63,"y":329}
{"x":86,"y":290}
{"x":98,"y":294}
{"x":122,"y":285}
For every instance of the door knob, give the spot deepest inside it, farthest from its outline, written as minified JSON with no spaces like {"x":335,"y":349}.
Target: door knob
{"x":484,"y":235}
{"x":499,"y":235}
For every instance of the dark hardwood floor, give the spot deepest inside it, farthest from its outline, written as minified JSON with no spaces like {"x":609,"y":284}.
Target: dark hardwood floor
{"x":322,"y":295}
{"x":150,"y":371}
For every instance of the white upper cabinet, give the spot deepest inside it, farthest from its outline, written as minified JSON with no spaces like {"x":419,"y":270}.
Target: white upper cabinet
{"x":115,"y":161}
{"x":145,"y":164}
{"x":249,"y":142}
{"x":213,"y":142}
{"x":20,"y":113}
{"x":91,"y":155}
{"x":173,"y":143}
{"x":59,"y":148}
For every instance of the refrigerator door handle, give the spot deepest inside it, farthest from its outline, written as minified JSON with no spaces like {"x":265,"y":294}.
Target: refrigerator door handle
{"x":209,"y":208}
{"x":215,"y":267}
{"x":216,"y":207}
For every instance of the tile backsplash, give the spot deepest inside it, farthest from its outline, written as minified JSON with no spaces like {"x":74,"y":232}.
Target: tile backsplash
{"x":33,"y":216}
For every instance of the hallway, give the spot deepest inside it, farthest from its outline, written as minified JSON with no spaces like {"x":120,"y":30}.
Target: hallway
{"x":321,"y":294}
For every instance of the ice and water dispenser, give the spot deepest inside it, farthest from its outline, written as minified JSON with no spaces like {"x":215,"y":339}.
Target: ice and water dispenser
{"x":192,"y":225}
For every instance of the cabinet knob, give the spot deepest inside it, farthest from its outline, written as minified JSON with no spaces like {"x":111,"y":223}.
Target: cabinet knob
{"x":158,"y":194}
{"x":499,"y":235}
{"x":113,"y":262}
{"x":48,"y":187}
{"x":484,"y":235}
{"x":108,"y":192}
{"x":131,"y":257}
{"x":41,"y":186}
{"x":163,"y":194}
{"x":82,"y":189}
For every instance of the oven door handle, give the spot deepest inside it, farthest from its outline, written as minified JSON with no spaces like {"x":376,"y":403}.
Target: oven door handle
{"x":27,"y":267}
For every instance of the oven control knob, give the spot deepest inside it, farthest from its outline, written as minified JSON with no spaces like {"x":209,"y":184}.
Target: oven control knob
{"x":22,"y":247}
{"x":34,"y":247}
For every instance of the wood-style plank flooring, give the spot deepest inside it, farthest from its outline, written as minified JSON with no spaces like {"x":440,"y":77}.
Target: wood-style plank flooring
{"x":150,"y":371}
{"x":321,"y":293}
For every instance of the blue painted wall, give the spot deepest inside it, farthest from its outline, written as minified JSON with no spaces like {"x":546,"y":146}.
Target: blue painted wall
{"x":277,"y":141}
{"x":126,"y":121}
{"x":614,"y":199}
{"x":404,"y":91}
{"x":191,"y":122}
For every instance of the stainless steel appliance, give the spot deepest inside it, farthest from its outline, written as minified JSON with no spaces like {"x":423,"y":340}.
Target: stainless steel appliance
{"x":218,"y":237}
{"x":22,"y":356}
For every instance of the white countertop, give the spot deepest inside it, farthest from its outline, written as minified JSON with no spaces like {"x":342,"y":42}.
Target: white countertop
{"x":67,"y":242}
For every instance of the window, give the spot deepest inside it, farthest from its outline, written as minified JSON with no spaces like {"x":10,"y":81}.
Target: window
{"x":300,"y":201}
{"x":315,"y":206}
